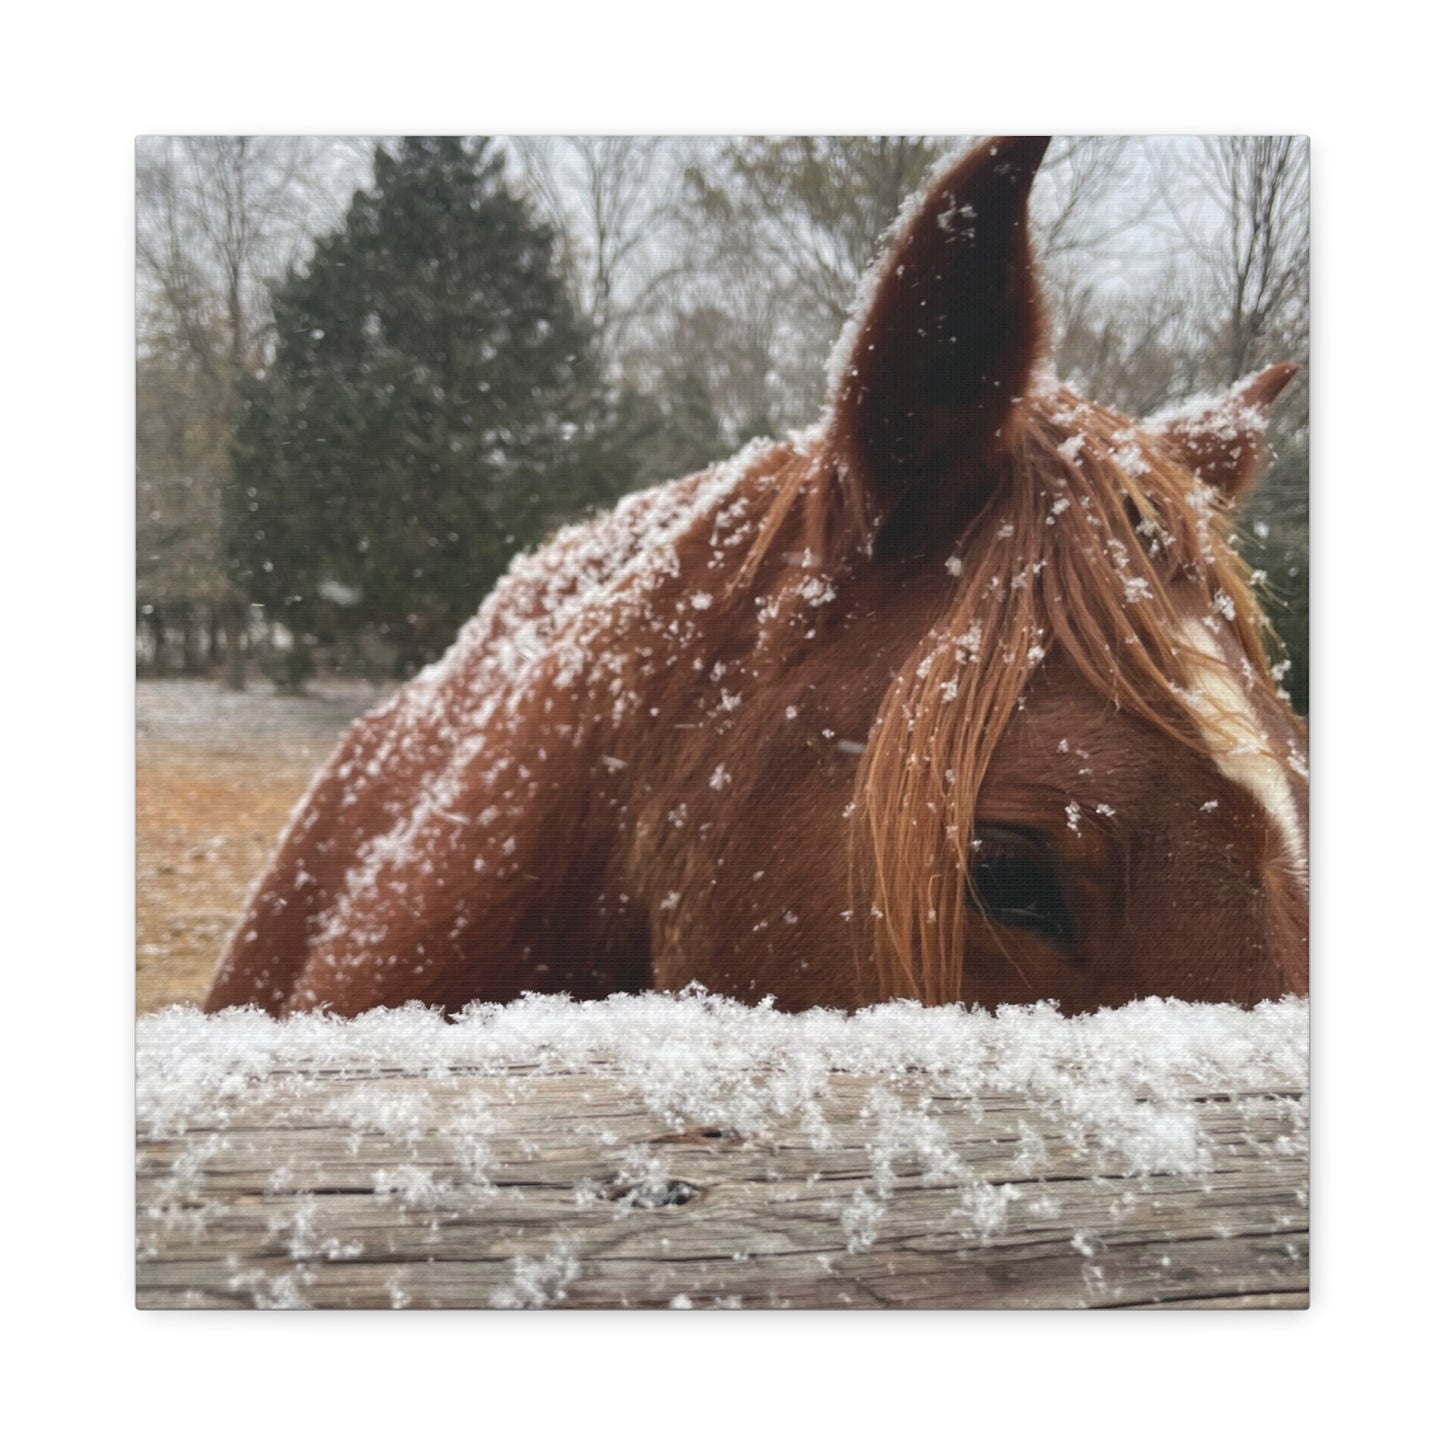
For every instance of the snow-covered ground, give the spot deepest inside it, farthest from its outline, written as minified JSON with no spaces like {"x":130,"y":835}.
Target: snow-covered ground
{"x":190,"y":711}
{"x":217,"y":774}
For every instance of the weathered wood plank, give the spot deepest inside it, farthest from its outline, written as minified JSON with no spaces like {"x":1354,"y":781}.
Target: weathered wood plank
{"x":372,"y":1188}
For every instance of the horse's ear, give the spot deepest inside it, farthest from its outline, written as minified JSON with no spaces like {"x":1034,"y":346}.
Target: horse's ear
{"x":1222,"y":440}
{"x":924,"y":398}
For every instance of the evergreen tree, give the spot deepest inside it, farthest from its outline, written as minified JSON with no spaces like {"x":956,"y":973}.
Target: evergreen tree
{"x":431,"y":408}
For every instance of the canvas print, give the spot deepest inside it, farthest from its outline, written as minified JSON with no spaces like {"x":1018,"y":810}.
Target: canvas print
{"x":722,"y":722}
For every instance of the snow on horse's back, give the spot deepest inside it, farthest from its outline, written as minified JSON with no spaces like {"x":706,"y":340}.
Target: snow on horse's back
{"x":959,"y":695}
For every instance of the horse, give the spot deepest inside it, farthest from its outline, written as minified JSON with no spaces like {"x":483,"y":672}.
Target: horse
{"x":959,"y":696}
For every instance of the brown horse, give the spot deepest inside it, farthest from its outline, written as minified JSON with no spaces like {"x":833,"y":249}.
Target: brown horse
{"x":960,"y":696}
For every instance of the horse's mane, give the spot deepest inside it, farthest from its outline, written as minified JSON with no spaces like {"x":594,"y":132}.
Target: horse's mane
{"x":1097,"y":542}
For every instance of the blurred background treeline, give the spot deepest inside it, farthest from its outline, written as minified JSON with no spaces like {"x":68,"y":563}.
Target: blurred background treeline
{"x":369,"y":371}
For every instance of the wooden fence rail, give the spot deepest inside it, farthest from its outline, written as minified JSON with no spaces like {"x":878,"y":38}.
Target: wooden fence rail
{"x":380,"y":1188}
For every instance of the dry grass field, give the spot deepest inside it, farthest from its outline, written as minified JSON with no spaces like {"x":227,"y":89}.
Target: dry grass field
{"x":217,"y":775}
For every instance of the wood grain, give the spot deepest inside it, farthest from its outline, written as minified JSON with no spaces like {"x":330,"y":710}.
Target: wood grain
{"x":326,"y":1188}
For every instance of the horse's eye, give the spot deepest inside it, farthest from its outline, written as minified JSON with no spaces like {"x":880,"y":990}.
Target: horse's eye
{"x":1014,"y":881}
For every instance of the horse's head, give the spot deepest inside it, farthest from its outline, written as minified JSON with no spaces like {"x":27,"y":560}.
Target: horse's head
{"x":1083,"y":783}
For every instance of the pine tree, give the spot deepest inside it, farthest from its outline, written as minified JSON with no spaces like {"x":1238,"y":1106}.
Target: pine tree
{"x":432,"y":407}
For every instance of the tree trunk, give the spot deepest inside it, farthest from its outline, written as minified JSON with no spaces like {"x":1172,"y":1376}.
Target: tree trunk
{"x":156,"y":623}
{"x":233,"y":617}
{"x":192,"y":663}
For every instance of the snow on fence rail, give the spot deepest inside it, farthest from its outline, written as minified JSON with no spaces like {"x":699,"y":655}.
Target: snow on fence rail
{"x":657,"y":1151}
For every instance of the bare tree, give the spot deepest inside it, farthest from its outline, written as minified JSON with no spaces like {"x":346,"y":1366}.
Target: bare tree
{"x":1268,"y":186}
{"x":1095,"y":204}
{"x":1122,"y":314}
{"x":812,"y":208}
{"x":1202,"y":279}
{"x":216,"y":218}
{"x":1136,"y":350}
{"x":1242,"y":208}
{"x":775,"y":234}
{"x":611,"y":201}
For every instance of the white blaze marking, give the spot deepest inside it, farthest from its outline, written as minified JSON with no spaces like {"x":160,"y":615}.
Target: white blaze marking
{"x":1240,"y":747}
